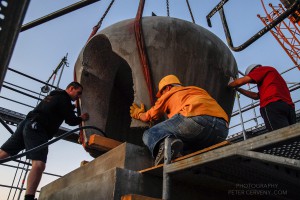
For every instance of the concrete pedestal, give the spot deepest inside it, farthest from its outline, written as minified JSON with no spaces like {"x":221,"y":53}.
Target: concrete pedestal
{"x":104,"y":177}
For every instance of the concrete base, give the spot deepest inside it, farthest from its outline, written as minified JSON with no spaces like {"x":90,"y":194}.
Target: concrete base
{"x":116,"y":183}
{"x":127,"y":156}
{"x":112,"y":184}
{"x":115,"y":174}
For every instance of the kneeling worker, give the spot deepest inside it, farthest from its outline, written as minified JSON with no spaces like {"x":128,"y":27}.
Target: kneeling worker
{"x":195,"y":119}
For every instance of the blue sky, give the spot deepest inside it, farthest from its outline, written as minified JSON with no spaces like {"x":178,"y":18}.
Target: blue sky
{"x":39,"y":50}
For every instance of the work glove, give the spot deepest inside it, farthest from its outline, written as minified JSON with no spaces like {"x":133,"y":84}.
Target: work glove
{"x":231,"y":79}
{"x":135,"y":110}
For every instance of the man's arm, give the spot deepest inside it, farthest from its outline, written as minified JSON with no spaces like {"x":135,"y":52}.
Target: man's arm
{"x":142,"y":117}
{"x":252,"y":95}
{"x":69,"y":115}
{"x":240,"y":81}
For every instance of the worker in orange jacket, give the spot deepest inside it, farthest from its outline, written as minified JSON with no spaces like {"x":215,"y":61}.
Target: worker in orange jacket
{"x":195,"y":119}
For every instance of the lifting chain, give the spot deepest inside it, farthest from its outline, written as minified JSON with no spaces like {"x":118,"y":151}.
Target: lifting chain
{"x":168,"y":8}
{"x":98,"y":25}
{"x":190,"y":10}
{"x":105,"y":13}
{"x":94,"y":31}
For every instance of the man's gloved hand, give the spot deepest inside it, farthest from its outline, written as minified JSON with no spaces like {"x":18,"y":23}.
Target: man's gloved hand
{"x":231,"y":79}
{"x":135,"y":110}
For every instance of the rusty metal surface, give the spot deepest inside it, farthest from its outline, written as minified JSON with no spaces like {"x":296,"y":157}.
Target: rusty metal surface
{"x":109,"y":69}
{"x":12,"y":14}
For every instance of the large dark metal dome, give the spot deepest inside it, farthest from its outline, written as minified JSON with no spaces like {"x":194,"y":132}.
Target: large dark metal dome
{"x":110,"y":71}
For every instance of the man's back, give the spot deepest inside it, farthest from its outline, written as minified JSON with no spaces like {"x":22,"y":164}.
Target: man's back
{"x":271,"y":86}
{"x":53,"y":110}
{"x":188,"y":101}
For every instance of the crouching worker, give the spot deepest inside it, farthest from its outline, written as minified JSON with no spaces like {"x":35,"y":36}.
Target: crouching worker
{"x":195,"y":119}
{"x":39,"y":126}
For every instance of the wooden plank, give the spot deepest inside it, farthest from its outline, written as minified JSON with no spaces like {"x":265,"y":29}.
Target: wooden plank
{"x":155,"y":170}
{"x":158,"y":170}
{"x":102,"y":143}
{"x":215,"y":146}
{"x":137,"y":197}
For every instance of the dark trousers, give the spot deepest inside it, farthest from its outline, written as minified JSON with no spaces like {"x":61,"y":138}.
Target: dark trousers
{"x":278,"y":115}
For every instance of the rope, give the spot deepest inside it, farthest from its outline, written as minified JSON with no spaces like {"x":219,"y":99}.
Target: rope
{"x":190,"y":10}
{"x":142,"y":49}
{"x":48,"y":143}
{"x":168,"y":8}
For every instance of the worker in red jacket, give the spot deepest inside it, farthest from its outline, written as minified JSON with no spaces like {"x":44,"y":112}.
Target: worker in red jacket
{"x":276,"y":106}
{"x":195,"y":119}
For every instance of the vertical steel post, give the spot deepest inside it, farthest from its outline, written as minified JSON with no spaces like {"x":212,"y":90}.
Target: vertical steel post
{"x":254,"y":112}
{"x":241,"y":116}
{"x":166,"y":176}
{"x":24,"y":179}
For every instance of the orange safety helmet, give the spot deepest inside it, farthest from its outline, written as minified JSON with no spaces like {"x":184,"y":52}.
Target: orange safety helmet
{"x":167,"y":80}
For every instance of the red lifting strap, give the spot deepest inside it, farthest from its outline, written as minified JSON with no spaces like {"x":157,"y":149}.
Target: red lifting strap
{"x":142,"y":49}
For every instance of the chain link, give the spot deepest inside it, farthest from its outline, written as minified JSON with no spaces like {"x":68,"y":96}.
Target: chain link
{"x":105,"y":13}
{"x":190,"y":10}
{"x":168,"y":8}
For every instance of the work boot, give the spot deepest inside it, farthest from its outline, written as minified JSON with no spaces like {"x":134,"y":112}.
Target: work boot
{"x":176,"y":147}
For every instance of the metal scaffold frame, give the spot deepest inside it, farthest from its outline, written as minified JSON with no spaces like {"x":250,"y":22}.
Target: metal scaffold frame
{"x":285,"y":33}
{"x":276,"y":150}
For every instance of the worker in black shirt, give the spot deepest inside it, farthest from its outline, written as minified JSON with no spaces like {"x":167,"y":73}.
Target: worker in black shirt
{"x":39,"y":126}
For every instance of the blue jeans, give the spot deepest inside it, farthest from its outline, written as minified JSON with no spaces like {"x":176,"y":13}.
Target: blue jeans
{"x":196,"y":132}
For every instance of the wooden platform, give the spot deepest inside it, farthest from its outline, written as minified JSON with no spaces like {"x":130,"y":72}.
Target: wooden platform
{"x":158,"y":170}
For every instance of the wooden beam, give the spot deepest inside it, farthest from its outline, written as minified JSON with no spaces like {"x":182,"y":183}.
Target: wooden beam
{"x":157,"y":170}
{"x":102,"y":143}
